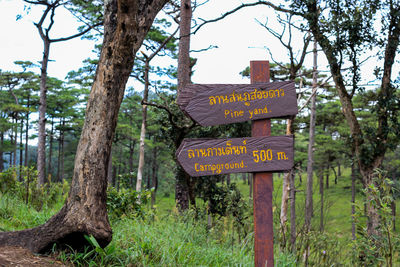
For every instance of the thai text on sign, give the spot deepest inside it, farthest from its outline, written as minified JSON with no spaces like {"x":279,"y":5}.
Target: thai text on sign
{"x":215,"y":104}
{"x":200,"y":157}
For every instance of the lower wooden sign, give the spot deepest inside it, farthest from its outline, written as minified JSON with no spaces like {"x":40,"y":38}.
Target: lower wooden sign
{"x":201,"y":157}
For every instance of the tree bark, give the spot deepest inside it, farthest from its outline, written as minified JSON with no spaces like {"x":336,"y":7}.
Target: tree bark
{"x":327,"y":176}
{"x":1,"y":151}
{"x":49,"y":164}
{"x":21,"y":149}
{"x":60,"y":176}
{"x":183,"y":192}
{"x":321,"y":192}
{"x":154,"y":180}
{"x":126,"y":23}
{"x":41,"y":148}
{"x":353,"y":198}
{"x":292,"y":212}
{"x":27,"y":132}
{"x":310,"y":163}
{"x":143,"y":128}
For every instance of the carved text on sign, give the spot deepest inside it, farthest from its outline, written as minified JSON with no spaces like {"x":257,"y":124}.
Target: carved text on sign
{"x":200,"y":157}
{"x":215,"y":104}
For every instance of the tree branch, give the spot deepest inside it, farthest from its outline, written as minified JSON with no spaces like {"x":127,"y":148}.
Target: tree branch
{"x":277,"y":8}
{"x":76,"y":35}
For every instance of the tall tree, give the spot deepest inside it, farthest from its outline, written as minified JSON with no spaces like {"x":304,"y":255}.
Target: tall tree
{"x":147,"y":60}
{"x":183,"y":183}
{"x":310,"y":161}
{"x":345,"y":33}
{"x":48,"y":15}
{"x":126,"y":23}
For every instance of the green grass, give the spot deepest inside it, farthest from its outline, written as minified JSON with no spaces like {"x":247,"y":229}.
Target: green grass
{"x":165,"y":239}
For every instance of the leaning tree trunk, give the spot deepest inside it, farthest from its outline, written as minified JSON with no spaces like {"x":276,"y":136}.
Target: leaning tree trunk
{"x":126,"y":23}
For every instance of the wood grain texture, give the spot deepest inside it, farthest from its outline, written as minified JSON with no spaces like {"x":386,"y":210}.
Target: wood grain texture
{"x":201,"y":157}
{"x":216,"y":104}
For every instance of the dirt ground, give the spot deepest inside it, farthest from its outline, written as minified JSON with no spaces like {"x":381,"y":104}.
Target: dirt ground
{"x":19,"y":257}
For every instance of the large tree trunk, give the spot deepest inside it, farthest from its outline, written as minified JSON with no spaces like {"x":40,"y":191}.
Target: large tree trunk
{"x":126,"y":24}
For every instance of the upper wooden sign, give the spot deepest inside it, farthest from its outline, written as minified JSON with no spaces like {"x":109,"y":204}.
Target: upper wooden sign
{"x":216,"y":104}
{"x":201,"y":157}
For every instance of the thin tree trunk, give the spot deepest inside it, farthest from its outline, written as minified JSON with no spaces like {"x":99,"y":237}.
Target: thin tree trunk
{"x":1,"y":151}
{"x":327,"y":176}
{"x":154,"y":180}
{"x":49,"y":166}
{"x":132,"y":144}
{"x":61,"y":176}
{"x":284,"y":203}
{"x":286,"y":183}
{"x":21,"y":149}
{"x":353,"y":198}
{"x":321,"y":192}
{"x":334,"y":173}
{"x":183,"y":184}
{"x":244,"y":178}
{"x":41,"y":149}
{"x":144,"y":111}
{"x":293,"y":212}
{"x":250,"y":177}
{"x":310,"y":163}
{"x":393,"y":206}
{"x":27,"y":133}
{"x":15,"y":142}
{"x":143,"y":128}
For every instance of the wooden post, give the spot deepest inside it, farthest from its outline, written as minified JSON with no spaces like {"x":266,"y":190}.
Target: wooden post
{"x":263,"y":185}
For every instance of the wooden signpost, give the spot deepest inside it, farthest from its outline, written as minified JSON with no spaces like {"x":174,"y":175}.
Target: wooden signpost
{"x":215,"y":104}
{"x":200,"y":157}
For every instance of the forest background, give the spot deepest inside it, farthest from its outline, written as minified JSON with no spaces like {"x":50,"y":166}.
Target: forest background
{"x":220,"y":204}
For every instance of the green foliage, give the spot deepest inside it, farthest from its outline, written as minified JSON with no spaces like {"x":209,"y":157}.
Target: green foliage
{"x":127,"y":202}
{"x":379,"y":249}
{"x":324,"y":249}
{"x":27,"y":189}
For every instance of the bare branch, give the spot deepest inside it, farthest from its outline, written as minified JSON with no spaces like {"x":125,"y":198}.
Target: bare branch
{"x":204,"y":49}
{"x":76,"y":35}
{"x":277,"y":8}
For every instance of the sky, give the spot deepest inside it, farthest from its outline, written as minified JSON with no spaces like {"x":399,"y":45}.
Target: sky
{"x":239,"y":38}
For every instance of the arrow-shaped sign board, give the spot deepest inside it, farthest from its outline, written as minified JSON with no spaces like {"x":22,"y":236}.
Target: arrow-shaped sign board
{"x":201,"y":157}
{"x":216,"y":104}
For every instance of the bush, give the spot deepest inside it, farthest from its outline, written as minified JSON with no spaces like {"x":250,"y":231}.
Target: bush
{"x":127,"y":202}
{"x":28,"y":190}
{"x":379,"y":249}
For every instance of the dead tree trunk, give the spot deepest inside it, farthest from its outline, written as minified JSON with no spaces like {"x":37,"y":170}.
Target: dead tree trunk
{"x":126,"y":23}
